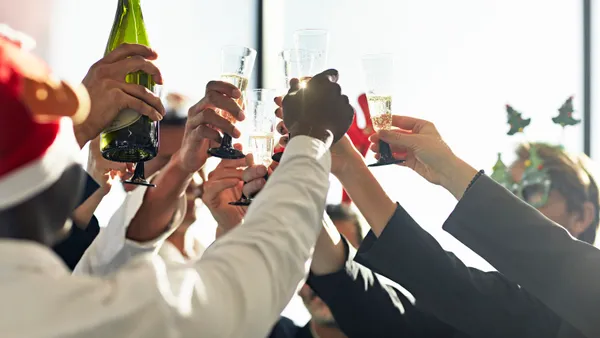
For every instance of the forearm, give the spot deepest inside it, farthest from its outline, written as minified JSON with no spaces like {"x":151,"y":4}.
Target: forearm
{"x":457,"y":176}
{"x":367,"y":194}
{"x":330,"y":252}
{"x":83,"y":214}
{"x":160,"y":203}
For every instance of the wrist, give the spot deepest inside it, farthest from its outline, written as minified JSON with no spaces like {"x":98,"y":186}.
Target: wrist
{"x":81,"y":134}
{"x":316,"y":132}
{"x":353,"y":163}
{"x":457,"y":176}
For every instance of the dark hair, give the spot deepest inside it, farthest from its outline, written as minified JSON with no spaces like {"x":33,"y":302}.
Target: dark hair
{"x":571,"y":176}
{"x":341,"y":212}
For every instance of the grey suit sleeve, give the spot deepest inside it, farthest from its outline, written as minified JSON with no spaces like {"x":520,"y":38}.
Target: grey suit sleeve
{"x":532,"y":251}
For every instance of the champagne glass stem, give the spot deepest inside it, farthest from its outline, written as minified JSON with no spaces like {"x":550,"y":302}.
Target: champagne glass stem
{"x":139,"y":176}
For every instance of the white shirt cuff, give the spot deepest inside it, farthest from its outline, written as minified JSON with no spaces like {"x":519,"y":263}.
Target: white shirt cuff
{"x":305,"y":146}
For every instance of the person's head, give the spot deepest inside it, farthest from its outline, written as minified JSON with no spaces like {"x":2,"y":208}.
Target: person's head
{"x":347,"y":223}
{"x":40,"y":181}
{"x":572,"y":199}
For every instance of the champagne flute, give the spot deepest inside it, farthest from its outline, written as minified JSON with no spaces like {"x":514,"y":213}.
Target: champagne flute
{"x":315,"y":41}
{"x":297,"y":64}
{"x":236,"y":68}
{"x":139,"y":175}
{"x":379,"y":79}
{"x":260,"y":128}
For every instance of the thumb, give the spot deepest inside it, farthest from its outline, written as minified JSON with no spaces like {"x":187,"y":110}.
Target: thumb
{"x":400,"y":140}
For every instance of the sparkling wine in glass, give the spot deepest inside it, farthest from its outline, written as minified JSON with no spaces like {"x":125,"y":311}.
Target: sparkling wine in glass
{"x":260,"y":130}
{"x":379,"y":80}
{"x":236,"y":68}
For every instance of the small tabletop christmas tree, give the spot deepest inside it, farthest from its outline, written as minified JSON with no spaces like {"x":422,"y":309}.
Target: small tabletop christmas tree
{"x":516,"y":121}
{"x":565,"y":114}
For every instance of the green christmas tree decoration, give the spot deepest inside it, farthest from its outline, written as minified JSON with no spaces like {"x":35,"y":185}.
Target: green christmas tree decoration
{"x":535,"y":172}
{"x":500,"y":172}
{"x":565,"y":114}
{"x":516,"y":121}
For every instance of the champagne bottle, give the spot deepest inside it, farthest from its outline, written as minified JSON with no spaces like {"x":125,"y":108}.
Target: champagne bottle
{"x":131,"y":137}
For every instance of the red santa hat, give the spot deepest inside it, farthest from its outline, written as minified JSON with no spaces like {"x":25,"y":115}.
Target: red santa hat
{"x":360,"y":136}
{"x":36,"y":124}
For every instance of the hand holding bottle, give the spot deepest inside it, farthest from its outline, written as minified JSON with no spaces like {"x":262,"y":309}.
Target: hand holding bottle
{"x":426,"y":153}
{"x":203,"y":122}
{"x":109,"y":93}
{"x":319,"y":110}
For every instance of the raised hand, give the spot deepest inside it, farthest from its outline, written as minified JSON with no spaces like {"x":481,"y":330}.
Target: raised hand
{"x":224,"y":185}
{"x":420,"y":144}
{"x":203,"y":123}
{"x":319,"y":110}
{"x":109,"y":93}
{"x":103,"y":170}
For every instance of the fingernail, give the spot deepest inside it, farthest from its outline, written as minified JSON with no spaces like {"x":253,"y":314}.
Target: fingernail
{"x":261,"y":170}
{"x":237,"y":93}
{"x":236,"y":133}
{"x":158,"y":117}
{"x":241,"y":115}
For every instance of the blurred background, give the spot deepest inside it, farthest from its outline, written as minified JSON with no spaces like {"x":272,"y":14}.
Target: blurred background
{"x":457,"y":64}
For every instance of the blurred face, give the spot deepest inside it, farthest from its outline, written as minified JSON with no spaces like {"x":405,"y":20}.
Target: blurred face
{"x":170,"y":142}
{"x":556,"y":206}
{"x":315,"y":305}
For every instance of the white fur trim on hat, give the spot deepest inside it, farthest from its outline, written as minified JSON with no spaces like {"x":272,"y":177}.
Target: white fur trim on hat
{"x":38,"y":175}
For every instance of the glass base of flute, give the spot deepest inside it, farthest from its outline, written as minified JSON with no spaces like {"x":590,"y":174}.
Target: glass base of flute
{"x":226,"y":150}
{"x":245,"y":201}
{"x":139,"y":177}
{"x":385,"y":156}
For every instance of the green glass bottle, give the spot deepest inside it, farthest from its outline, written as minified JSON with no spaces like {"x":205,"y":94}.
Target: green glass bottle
{"x":131,"y":137}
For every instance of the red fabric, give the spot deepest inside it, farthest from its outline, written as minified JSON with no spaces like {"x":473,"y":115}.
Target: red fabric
{"x":360,"y":137}
{"x":22,"y":140}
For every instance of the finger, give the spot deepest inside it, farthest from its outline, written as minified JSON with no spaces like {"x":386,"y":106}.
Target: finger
{"x":252,"y":188}
{"x":254,"y":172}
{"x":398,"y":139}
{"x":224,"y":88}
{"x":273,"y":166}
{"x":145,"y":95}
{"x":279,"y":101}
{"x":224,"y":173}
{"x":294,"y":85}
{"x":213,"y":100}
{"x":241,"y":162}
{"x":125,"y":98}
{"x":281,"y":129}
{"x":212,"y":189}
{"x":209,"y":117}
{"x":330,"y":75}
{"x":202,"y":133}
{"x":250,"y":160}
{"x":133,"y":64}
{"x":126,"y":50}
{"x":406,"y":122}
{"x":283,"y":141}
{"x":279,"y":113}
{"x":238,"y":146}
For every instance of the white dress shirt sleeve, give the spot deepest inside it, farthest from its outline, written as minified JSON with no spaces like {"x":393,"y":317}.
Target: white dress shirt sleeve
{"x":111,"y":249}
{"x":242,"y":283}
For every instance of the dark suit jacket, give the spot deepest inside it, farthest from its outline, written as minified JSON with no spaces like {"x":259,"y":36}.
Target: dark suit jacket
{"x":532,"y":251}
{"x":480,"y":304}
{"x":72,"y":248}
{"x":364,"y":307}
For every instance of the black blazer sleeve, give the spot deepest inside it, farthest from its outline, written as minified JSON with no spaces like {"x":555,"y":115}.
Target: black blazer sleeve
{"x":478,"y":303}
{"x":72,"y":248}
{"x":364,"y":307}
{"x":531,"y":250}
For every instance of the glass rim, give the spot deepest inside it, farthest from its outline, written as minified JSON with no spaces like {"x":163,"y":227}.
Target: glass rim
{"x":230,"y":47}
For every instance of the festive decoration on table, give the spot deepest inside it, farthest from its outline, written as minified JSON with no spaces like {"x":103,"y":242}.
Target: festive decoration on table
{"x":360,"y":136}
{"x":565,"y":114}
{"x":515,"y":120}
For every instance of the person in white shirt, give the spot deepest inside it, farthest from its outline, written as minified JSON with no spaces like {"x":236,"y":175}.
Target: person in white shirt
{"x":237,"y":289}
